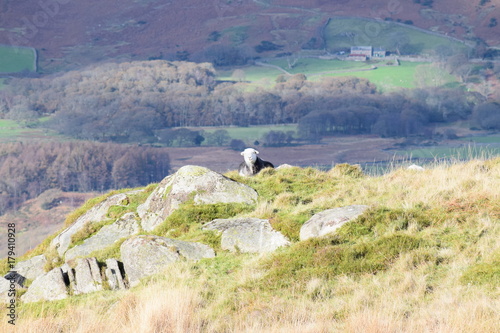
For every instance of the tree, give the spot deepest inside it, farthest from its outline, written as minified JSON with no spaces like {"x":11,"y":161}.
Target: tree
{"x":487,"y":115}
{"x":398,"y":40}
{"x":237,"y":144}
{"x":218,"y":138}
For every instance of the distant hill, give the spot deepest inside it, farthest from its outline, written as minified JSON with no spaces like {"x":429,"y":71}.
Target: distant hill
{"x":72,"y":33}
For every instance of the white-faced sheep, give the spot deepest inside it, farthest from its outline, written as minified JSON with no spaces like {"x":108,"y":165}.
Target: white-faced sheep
{"x":252,"y":164}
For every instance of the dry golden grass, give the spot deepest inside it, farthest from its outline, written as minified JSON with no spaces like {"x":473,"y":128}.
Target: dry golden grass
{"x":422,"y":290}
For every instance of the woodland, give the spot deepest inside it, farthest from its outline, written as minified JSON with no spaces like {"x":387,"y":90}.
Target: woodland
{"x":113,"y":108}
{"x":28,"y":169}
{"x":140,"y":102}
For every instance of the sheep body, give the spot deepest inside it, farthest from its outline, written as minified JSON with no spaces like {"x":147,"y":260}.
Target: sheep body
{"x":252,"y":163}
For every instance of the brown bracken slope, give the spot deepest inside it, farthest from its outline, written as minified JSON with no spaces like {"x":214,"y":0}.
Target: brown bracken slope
{"x":69,"y":33}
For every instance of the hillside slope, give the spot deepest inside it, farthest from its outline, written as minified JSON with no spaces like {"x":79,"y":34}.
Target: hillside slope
{"x":424,"y":257}
{"x":72,"y":33}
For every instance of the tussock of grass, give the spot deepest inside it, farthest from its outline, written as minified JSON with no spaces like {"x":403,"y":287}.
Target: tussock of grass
{"x":423,"y":258}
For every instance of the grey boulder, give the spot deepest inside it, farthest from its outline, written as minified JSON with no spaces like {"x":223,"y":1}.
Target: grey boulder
{"x":95,"y":214}
{"x":248,"y":235}
{"x":125,"y":226}
{"x":196,"y":183}
{"x":49,"y":287}
{"x":328,"y":221}
{"x":87,"y":276}
{"x":147,"y":255}
{"x":31,"y":268}
{"x":114,"y":274}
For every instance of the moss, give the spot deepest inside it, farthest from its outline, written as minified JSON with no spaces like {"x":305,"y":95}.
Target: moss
{"x":304,"y":182}
{"x":116,"y":211}
{"x":334,"y":256}
{"x":382,"y":220}
{"x":189,"y":216}
{"x":486,"y":272}
{"x":112,"y":251}
{"x":289,"y":224}
{"x":88,"y":230}
{"x":72,"y":217}
{"x":53,"y":260}
{"x":4,"y":266}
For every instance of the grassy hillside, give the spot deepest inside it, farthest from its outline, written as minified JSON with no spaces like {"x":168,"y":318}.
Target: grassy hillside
{"x":79,"y":33}
{"x":425,"y":257}
{"x":344,"y":32}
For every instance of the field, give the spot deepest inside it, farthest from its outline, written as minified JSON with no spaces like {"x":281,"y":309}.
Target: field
{"x":386,"y":78}
{"x":342,"y":33}
{"x":17,"y":59}
{"x":460,"y":153}
{"x":251,"y":133}
{"x":11,"y":131}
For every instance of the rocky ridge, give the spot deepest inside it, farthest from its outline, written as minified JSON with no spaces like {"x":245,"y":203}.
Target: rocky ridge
{"x":144,"y":255}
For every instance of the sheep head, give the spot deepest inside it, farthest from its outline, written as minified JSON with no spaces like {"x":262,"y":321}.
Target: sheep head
{"x":249,"y":155}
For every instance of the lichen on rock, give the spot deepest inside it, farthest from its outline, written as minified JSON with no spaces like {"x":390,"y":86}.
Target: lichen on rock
{"x":196,"y":183}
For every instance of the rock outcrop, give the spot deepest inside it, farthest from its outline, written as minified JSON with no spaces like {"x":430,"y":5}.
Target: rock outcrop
{"x":114,"y":274}
{"x":95,"y":214}
{"x":50,"y":286}
{"x":31,"y":268}
{"x":247,"y":235}
{"x":6,"y":286}
{"x":87,"y":276}
{"x":328,"y":221}
{"x":146,"y":255}
{"x":196,"y":183}
{"x":125,"y":226}
{"x":415,"y":167}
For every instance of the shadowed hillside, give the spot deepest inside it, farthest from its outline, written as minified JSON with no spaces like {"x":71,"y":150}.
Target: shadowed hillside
{"x":72,"y":33}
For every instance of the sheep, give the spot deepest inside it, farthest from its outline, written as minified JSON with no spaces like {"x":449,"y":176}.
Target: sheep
{"x":252,"y":164}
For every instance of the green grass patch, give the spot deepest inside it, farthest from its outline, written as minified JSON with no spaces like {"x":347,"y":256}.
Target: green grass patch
{"x":483,"y":274}
{"x":333,"y":256}
{"x":185,"y":223}
{"x":88,"y":230}
{"x":483,"y":139}
{"x":344,"y":32}
{"x":270,"y":183}
{"x":112,"y":251}
{"x":386,"y":78}
{"x":10,"y":131}
{"x":367,"y":245}
{"x":459,"y":153}
{"x":251,"y":133}
{"x":16,"y":59}
{"x":9,"y":128}
{"x":253,"y":74}
{"x":313,"y":66}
